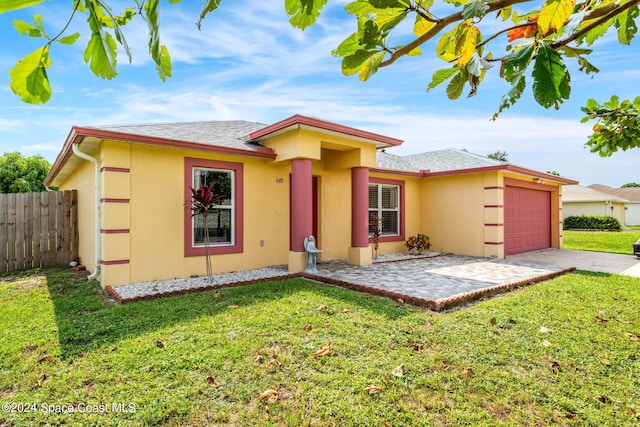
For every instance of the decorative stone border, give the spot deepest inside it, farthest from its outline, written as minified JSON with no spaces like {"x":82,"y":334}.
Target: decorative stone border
{"x":435,"y":305}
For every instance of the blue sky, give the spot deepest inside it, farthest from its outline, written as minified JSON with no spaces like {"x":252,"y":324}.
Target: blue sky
{"x":248,"y":63}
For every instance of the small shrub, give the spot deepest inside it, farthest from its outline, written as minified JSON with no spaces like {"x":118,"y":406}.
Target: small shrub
{"x":418,"y":243}
{"x":591,"y":222}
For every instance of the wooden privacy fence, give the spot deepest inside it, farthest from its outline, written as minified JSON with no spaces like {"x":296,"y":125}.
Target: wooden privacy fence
{"x":38,"y":229}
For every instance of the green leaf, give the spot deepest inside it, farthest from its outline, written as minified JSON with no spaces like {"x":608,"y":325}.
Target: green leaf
{"x":517,"y":62}
{"x":442,"y":76}
{"x":384,"y":18}
{"x":69,"y":40}
{"x":474,"y":9}
{"x":511,"y":97}
{"x":352,"y":63}
{"x":163,"y":67}
{"x":10,"y":5}
{"x":446,"y":48}
{"x":626,"y":23}
{"x":29,"y":77}
{"x":26,"y":29}
{"x":371,"y":66}
{"x":349,"y":46}
{"x":551,"y":80}
{"x":303,"y":13}
{"x":456,"y":85}
{"x":100,"y":54}
{"x":209,"y":6}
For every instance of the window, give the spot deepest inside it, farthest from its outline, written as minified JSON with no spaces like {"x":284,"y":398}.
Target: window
{"x":225,"y":223}
{"x":220,"y":221}
{"x":384,"y":202}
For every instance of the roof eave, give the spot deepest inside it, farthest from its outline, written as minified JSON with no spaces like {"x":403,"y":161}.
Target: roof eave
{"x":297,"y":122}
{"x":77,"y":134}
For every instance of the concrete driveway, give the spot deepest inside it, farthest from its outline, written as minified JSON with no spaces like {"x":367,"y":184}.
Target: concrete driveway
{"x":627,"y":265}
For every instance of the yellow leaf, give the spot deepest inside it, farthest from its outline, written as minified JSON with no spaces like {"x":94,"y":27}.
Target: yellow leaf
{"x":373,"y":389}
{"x":605,"y":361}
{"x":323,"y":351}
{"x":544,"y":330}
{"x":466,"y":44}
{"x":323,"y":307}
{"x":269,"y":396}
{"x":546,"y":343}
{"x":398,"y":371}
{"x":554,"y":15}
{"x":422,"y":26}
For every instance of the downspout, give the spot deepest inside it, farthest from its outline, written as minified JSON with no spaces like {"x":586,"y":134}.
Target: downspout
{"x":97,"y":188}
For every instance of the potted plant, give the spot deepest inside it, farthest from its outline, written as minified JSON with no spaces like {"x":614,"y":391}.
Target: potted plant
{"x":418,"y":244}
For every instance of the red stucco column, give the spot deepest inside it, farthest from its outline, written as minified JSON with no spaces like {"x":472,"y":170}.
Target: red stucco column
{"x":301,"y":203}
{"x":359,"y":207}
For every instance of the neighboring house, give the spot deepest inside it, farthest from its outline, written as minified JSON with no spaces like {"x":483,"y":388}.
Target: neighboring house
{"x":579,"y":200}
{"x":283,"y":182}
{"x":632,"y":204}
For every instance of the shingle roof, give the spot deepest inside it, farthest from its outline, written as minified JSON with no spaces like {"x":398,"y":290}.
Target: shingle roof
{"x":449,"y":159}
{"x":629,"y":193}
{"x":578,"y":193}
{"x":219,"y":133}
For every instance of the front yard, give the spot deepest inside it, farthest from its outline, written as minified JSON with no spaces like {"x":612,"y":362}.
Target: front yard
{"x":562,"y":352}
{"x":600,"y":241}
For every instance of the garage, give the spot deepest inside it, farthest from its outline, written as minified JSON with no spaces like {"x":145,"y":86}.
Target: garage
{"x":527,"y":219}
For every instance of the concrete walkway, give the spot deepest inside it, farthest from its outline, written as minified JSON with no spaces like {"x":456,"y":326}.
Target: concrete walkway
{"x":627,"y":265}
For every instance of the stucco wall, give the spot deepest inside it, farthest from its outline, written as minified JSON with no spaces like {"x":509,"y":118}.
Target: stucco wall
{"x":453,"y":212}
{"x":83,"y":180}
{"x":157,"y":216}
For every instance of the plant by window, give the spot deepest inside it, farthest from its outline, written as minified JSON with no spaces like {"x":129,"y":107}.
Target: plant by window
{"x":375,"y":225}
{"x":203,"y":202}
{"x":418,"y":244}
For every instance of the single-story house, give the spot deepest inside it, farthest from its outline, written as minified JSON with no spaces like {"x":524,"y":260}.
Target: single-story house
{"x":283,"y":182}
{"x":632,"y":204}
{"x":579,"y":200}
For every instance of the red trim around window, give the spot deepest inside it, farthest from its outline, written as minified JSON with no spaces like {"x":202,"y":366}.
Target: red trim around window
{"x":238,"y":213}
{"x":400,"y":184}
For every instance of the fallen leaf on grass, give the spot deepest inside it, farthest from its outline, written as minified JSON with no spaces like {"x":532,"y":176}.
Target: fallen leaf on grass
{"x":605,"y":361}
{"x":493,"y":321}
{"x":416,"y":346}
{"x":323,"y":307}
{"x":468,"y":371}
{"x":161,"y":343}
{"x":429,"y":324}
{"x":555,"y":367}
{"x":42,"y":379}
{"x":398,"y":371}
{"x":599,"y":319}
{"x":323,"y":351}
{"x":269,"y":396}
{"x":212,"y":382}
{"x":569,"y":415}
{"x":544,"y":330}
{"x":47,"y":359}
{"x":385,"y":424}
{"x":511,"y":320}
{"x":307,"y":327}
{"x":603,"y":399}
{"x":233,"y":306}
{"x":400,"y":300}
{"x":373,"y":389}
{"x":546,"y":343}
{"x":635,"y":338}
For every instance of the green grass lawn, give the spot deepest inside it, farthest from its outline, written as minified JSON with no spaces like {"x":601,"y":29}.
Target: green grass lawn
{"x":563,"y":352}
{"x":600,"y":241}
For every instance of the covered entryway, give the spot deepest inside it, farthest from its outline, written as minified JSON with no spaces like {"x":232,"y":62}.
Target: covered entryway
{"x":527,"y":219}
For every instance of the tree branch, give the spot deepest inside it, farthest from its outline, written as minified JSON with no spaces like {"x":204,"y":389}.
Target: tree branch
{"x":604,"y":18}
{"x":442,"y":24}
